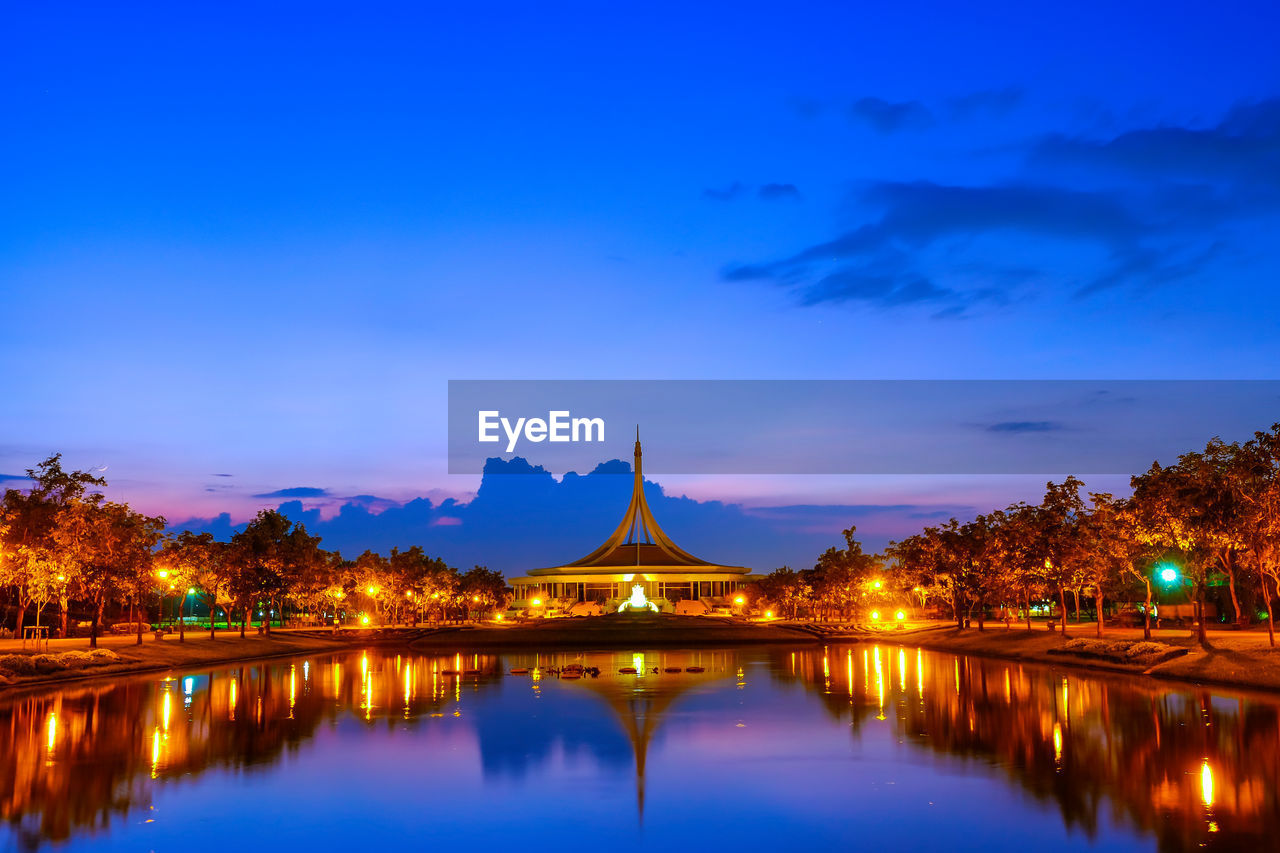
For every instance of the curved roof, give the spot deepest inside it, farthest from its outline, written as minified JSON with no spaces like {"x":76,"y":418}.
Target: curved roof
{"x":624,"y":547}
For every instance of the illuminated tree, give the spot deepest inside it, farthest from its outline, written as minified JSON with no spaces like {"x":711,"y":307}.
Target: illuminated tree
{"x":843,"y":578}
{"x":29,"y":523}
{"x":269,"y":555}
{"x":1163,"y":521}
{"x":483,"y":590}
{"x":185,"y":563}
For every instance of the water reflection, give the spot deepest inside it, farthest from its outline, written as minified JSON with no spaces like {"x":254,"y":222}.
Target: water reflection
{"x":1187,"y":770}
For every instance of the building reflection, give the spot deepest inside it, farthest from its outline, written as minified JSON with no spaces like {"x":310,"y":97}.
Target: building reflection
{"x":1192,"y":770}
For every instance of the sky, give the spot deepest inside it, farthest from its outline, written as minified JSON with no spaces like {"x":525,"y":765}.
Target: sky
{"x":244,"y":248}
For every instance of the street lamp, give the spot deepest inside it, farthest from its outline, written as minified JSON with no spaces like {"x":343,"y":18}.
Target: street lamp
{"x":1168,"y":574}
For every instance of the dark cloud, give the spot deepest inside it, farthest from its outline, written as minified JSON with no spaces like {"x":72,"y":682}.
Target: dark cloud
{"x":1025,"y":426}
{"x":729,"y":193}
{"x":1146,"y":208}
{"x":887,"y":117}
{"x":523,"y":517}
{"x":1241,"y":151}
{"x":874,"y":264}
{"x":994,"y":102}
{"x":224,"y":475}
{"x":296,"y":492}
{"x":778,"y":192}
{"x":4,"y":477}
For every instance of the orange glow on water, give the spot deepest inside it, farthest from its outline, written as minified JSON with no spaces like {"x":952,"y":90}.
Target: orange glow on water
{"x":1206,"y":784}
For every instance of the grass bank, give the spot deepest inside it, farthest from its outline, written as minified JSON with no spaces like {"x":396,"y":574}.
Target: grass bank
{"x":1233,"y":658}
{"x":617,"y":631}
{"x":157,"y":655}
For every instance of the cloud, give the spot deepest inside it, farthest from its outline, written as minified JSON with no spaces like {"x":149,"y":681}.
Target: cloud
{"x":887,"y":117}
{"x":523,"y":517}
{"x":4,"y":477}
{"x":994,"y":102}
{"x":1241,"y":151}
{"x":1025,"y":426}
{"x":729,"y":193}
{"x":874,"y":263}
{"x":1139,"y":209}
{"x":296,"y":492}
{"x":778,"y":192}
{"x":224,"y":475}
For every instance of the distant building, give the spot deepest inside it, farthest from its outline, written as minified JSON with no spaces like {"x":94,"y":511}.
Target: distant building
{"x":639,"y":554}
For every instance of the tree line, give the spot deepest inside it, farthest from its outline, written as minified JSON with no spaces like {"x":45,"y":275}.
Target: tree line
{"x":1210,"y":521}
{"x":63,"y":544}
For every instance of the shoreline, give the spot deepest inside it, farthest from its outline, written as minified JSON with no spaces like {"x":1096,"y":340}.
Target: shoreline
{"x":1236,"y":660}
{"x":1242,"y":662}
{"x":583,"y":633}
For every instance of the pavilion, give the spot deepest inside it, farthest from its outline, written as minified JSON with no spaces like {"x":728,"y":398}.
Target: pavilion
{"x":637,"y":554}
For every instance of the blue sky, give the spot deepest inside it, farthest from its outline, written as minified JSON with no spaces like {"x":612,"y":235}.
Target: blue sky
{"x":259,"y":240}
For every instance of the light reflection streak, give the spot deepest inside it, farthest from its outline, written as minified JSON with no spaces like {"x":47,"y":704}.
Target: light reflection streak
{"x":1206,"y":784}
{"x":879,"y":684}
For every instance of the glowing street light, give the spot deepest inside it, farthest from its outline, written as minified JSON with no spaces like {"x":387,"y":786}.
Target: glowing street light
{"x":740,"y":600}
{"x":1168,"y":574}
{"x":900,"y":615}
{"x":875,"y":615}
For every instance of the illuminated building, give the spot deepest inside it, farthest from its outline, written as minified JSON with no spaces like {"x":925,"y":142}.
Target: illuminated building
{"x":638,"y":553}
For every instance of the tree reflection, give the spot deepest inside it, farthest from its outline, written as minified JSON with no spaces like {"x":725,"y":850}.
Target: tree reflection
{"x":1190,"y":769}
{"x":1194,"y":770}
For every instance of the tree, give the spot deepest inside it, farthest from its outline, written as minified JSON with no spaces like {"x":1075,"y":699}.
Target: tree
{"x":1108,"y":548}
{"x":1060,"y":537}
{"x":1257,"y":481}
{"x":1019,"y":541}
{"x":842,"y":577}
{"x":269,"y":555}
{"x":29,"y":524}
{"x":373,"y":580}
{"x":483,"y":590}
{"x":185,"y":563}
{"x":784,"y":588}
{"x":113,"y":549}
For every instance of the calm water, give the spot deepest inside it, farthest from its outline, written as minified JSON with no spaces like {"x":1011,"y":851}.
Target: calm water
{"x":881,"y":748}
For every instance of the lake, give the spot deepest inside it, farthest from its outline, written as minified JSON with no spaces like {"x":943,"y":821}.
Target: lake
{"x":873,"y":747}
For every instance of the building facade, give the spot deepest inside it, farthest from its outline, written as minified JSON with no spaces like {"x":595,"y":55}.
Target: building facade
{"x":638,"y":553}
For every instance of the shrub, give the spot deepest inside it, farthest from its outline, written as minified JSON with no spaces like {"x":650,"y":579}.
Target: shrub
{"x":44,"y":664}
{"x":17,"y":664}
